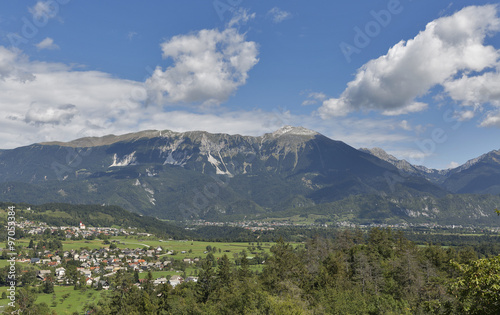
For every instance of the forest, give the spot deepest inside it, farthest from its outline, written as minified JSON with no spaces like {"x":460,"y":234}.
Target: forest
{"x":377,"y":272}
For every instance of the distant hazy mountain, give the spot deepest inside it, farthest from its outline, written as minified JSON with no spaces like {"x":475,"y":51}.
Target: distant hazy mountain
{"x":480,"y":175}
{"x":436,"y":176}
{"x":197,"y":174}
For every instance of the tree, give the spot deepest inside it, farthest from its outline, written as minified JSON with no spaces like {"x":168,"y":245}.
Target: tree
{"x":478,"y":286}
{"x":148,"y":284}
{"x":136,"y":276}
{"x":284,"y":265}
{"x":224,"y":271}
{"x":244,"y":270}
{"x":48,"y":286}
{"x":163,"y":293}
{"x":206,"y":281}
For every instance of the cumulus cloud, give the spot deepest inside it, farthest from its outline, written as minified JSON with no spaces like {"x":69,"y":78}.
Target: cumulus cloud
{"x":492,"y":120}
{"x":277,"y":15}
{"x":47,"y":43}
{"x":475,"y":90}
{"x":207,"y":68}
{"x":41,"y":99}
{"x":448,"y":46}
{"x":62,"y":114}
{"x":13,"y":66}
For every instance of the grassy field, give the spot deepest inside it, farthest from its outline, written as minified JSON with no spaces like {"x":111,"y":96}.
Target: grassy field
{"x":197,"y":248}
{"x":66,"y":300}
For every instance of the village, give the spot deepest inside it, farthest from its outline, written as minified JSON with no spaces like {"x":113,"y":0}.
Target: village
{"x":96,"y":266}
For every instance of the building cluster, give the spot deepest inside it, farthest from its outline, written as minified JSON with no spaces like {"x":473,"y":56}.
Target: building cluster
{"x":82,"y":230}
{"x":99,"y":264}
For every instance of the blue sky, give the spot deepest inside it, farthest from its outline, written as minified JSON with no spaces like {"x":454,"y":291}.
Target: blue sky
{"x":418,"y":78}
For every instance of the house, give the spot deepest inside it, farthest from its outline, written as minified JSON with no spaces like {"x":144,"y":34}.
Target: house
{"x":86,"y":273}
{"x":192,"y":279}
{"x":60,"y":272}
{"x":159,"y":281}
{"x":89,"y":281}
{"x":175,"y":280}
{"x":104,"y":284}
{"x":35,"y":260}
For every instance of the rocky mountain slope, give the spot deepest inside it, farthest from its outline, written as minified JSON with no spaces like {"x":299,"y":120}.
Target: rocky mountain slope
{"x":190,"y":175}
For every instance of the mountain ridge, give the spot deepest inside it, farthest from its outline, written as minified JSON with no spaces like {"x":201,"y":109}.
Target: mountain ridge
{"x":197,"y":174}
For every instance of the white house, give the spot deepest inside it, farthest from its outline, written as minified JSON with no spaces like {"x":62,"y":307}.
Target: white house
{"x":60,"y":272}
{"x":160,"y":281}
{"x":175,"y":280}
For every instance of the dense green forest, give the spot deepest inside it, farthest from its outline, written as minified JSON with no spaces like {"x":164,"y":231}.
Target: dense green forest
{"x":379,"y":272}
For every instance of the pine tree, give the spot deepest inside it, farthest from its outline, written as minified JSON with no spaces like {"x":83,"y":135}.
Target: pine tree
{"x":136,"y":276}
{"x":206,"y":281}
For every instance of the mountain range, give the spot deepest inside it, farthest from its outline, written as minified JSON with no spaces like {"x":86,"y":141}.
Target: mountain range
{"x":292,"y":171}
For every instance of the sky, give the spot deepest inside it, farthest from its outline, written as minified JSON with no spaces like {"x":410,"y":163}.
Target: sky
{"x":417,"y":78}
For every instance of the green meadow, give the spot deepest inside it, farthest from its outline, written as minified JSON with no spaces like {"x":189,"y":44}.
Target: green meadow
{"x":197,"y":247}
{"x":66,"y":300}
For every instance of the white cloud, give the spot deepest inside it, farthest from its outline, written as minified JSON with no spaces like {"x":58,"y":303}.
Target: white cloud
{"x":44,"y":10}
{"x":278,"y":15}
{"x":208,"y":67}
{"x":411,"y":108}
{"x":12,"y":66}
{"x":447,"y":46}
{"x":476,"y":90}
{"x":241,"y":17}
{"x":405,"y":125}
{"x":62,"y":114}
{"x":492,"y":120}
{"x":334,"y":107}
{"x":47,"y":43}
{"x":465,"y":115}
{"x":42,"y":101}
{"x":452,"y":165}
{"x":314,"y":98}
